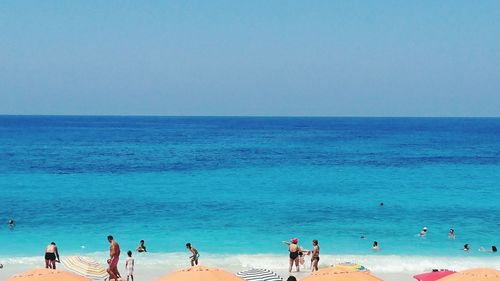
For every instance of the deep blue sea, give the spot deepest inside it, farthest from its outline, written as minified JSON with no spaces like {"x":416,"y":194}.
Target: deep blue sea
{"x":242,"y":185}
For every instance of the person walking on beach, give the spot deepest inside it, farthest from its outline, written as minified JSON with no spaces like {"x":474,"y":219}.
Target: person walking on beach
{"x":315,"y":256}
{"x":195,"y":256}
{"x":129,"y":266}
{"x":141,"y":248}
{"x":114,"y":256}
{"x":295,"y":251}
{"x":51,"y":256}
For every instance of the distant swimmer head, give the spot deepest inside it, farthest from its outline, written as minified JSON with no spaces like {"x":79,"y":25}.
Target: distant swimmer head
{"x":494,"y":249}
{"x":53,"y":243}
{"x":425,"y":228}
{"x":466,"y":247}
{"x":381,"y":203}
{"x":294,"y":240}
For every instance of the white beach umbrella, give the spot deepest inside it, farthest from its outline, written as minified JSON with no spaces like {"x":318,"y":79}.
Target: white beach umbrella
{"x":256,"y":274}
{"x":85,"y":266}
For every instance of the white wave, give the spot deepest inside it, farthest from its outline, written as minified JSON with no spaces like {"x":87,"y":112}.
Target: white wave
{"x":376,"y":263}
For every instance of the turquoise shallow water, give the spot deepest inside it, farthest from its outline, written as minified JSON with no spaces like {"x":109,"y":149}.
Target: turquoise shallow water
{"x":242,"y":185}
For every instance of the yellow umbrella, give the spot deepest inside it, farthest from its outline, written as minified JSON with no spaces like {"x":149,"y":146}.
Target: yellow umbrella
{"x":475,"y":274}
{"x":42,"y":274}
{"x":337,"y":274}
{"x":200,"y":273}
{"x":349,"y":266}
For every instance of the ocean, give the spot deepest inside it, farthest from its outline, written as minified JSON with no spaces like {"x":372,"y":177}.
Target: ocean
{"x":239,"y":186}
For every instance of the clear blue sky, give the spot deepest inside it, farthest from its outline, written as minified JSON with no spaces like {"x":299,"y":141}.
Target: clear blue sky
{"x":316,"y":58}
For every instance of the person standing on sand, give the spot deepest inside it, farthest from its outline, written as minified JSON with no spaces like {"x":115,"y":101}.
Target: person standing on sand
{"x":51,"y":256}
{"x":129,"y":266}
{"x":195,"y":256}
{"x":114,"y":254}
{"x":315,"y":256}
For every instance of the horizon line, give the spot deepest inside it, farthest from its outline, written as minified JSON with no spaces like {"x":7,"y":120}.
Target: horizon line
{"x":246,"y":116}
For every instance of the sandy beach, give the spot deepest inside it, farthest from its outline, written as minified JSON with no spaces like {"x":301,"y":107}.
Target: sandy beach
{"x":151,"y":273}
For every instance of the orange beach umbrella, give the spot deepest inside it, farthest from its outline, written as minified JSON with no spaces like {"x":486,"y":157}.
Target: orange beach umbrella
{"x":336,"y":274}
{"x":475,"y":274}
{"x":200,"y":273}
{"x":43,"y":274}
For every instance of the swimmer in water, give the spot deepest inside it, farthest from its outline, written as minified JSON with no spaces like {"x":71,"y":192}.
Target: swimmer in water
{"x":493,"y":249}
{"x":451,"y":234}
{"x":11,"y":224}
{"x":375,"y":246}
{"x":466,"y":248}
{"x":423,"y":233}
{"x":141,"y":248}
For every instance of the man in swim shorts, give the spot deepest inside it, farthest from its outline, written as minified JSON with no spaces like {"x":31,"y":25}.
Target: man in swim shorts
{"x":114,"y":254}
{"x":51,"y":256}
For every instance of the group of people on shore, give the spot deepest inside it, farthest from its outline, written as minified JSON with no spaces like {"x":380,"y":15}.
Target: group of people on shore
{"x":297,"y":253}
{"x":52,"y":257}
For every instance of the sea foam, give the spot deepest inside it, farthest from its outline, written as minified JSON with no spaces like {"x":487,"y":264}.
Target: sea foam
{"x":377,"y":263}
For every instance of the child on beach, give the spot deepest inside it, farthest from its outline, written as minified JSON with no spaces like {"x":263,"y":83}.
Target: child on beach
{"x":195,"y":256}
{"x":129,"y":266}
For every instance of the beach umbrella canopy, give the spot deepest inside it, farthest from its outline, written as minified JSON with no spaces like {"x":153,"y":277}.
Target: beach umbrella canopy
{"x":85,"y":266}
{"x":43,"y":274}
{"x":200,"y":273}
{"x":336,"y":274}
{"x":349,"y":266}
{"x":475,"y":274}
{"x":434,"y":275}
{"x":256,"y":274}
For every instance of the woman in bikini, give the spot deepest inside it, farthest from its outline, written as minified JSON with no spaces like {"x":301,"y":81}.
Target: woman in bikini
{"x":315,"y":256}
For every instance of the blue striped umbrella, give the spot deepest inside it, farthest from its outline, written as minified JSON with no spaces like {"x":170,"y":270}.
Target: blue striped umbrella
{"x":256,"y":274}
